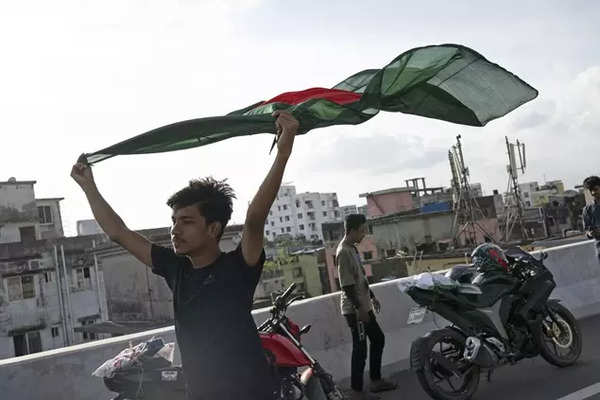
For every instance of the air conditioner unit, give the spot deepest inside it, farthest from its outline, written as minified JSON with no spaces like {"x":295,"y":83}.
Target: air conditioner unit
{"x":35,"y":265}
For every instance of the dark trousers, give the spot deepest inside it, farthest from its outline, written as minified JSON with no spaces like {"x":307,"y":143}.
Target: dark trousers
{"x":359,"y":350}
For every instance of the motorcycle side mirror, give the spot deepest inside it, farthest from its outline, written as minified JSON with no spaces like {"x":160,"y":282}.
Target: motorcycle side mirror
{"x":305,"y":329}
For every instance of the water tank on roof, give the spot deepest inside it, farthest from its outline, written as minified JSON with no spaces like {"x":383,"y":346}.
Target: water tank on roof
{"x":12,"y":179}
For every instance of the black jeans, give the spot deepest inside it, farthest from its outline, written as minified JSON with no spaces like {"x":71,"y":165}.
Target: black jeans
{"x":359,"y":350}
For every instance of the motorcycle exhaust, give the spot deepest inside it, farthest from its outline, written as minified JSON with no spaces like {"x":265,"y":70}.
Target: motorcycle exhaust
{"x":480,"y":353}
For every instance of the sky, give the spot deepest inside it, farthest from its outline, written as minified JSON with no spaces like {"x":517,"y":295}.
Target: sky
{"x":77,"y":76}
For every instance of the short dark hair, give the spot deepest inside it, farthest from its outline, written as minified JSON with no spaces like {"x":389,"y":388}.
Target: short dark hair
{"x":214,"y":199}
{"x":354,"y":221}
{"x":591,"y":182}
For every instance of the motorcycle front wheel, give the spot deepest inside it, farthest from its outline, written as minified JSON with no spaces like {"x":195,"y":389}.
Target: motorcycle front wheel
{"x":560,"y":337}
{"x":438,"y":361}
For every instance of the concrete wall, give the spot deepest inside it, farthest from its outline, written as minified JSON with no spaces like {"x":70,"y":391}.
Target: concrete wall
{"x":408,"y":231}
{"x":66,"y":372}
{"x":133,"y":292}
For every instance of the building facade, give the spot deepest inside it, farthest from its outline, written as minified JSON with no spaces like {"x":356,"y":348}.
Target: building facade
{"x":49,"y":285}
{"x":301,"y":214}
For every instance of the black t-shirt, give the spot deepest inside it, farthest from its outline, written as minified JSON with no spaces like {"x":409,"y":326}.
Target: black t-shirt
{"x":221,"y":352}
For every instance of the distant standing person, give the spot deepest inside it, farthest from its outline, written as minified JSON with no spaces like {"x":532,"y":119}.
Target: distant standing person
{"x":591,"y":212}
{"x":357,"y":302}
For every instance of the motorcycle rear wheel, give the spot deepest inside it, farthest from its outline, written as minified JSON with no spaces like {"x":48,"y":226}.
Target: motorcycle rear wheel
{"x":560,"y":339}
{"x":436,"y":380}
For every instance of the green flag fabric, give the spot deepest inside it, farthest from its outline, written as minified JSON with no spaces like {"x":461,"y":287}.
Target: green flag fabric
{"x":448,"y":82}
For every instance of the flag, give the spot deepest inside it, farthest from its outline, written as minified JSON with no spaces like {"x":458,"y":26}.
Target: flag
{"x":447,"y":82}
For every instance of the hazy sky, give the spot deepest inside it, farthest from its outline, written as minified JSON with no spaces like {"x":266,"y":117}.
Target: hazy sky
{"x":77,"y":76}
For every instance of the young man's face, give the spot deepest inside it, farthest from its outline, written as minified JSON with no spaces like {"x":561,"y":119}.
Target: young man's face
{"x":358,"y":234}
{"x":189,"y":233}
{"x":595,"y":191}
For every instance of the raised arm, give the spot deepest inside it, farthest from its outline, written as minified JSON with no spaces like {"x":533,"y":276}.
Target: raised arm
{"x":253,"y":234}
{"x":107,"y":218}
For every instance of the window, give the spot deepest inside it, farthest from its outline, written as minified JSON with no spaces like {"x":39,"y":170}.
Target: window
{"x":311,"y":216}
{"x":300,"y":216}
{"x":48,"y":277}
{"x":14,"y":288}
{"x":312,"y":226}
{"x":323,"y":202}
{"x":285,"y":206}
{"x":324,"y":213}
{"x":28,"y":286}
{"x":301,"y":227}
{"x":367,"y":255}
{"x":278,"y":208}
{"x":45,"y":214}
{"x":297,"y":272}
{"x":20,"y":287}
{"x":81,"y":279}
{"x":20,"y":344}
{"x":309,"y":203}
{"x":272,"y":223}
{"x":88,"y":335}
{"x":55,"y":332}
{"x":336,"y":214}
{"x":287,"y":217}
{"x":335,"y":203}
{"x":266,"y":222}
{"x":297,"y":203}
{"x":280,"y":219}
{"x":288,"y":229}
{"x":390,"y":252}
{"x":28,"y":343}
{"x":526,"y":194}
{"x":270,"y":212}
{"x":267,"y":233}
{"x":282,"y":230}
{"x":27,"y":234}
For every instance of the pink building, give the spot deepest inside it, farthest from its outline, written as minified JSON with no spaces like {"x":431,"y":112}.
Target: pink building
{"x":388,"y":201}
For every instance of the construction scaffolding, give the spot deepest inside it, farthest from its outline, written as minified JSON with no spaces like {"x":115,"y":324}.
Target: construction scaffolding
{"x":467,"y":212}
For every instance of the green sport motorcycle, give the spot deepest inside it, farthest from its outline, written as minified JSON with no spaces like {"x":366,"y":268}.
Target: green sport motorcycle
{"x":497,"y":318}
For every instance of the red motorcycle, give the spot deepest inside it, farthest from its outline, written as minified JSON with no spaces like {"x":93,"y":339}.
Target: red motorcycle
{"x":280,"y":338}
{"x":154,"y":378}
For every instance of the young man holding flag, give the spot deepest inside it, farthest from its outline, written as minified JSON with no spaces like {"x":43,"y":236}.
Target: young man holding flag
{"x":212,"y":291}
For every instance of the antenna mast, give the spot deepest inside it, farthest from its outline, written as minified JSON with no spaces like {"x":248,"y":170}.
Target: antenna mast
{"x":514,"y":212}
{"x":467,"y":211}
